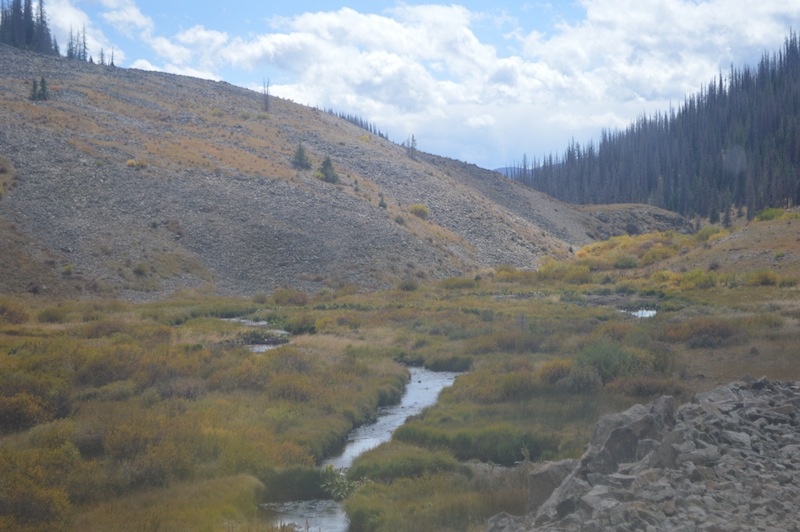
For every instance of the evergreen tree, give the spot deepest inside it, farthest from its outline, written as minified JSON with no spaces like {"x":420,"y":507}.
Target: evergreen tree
{"x":5,"y":23}
{"x":43,"y":41}
{"x":23,"y":27}
{"x":17,"y":25}
{"x":411,"y":147}
{"x":71,"y":46}
{"x":27,"y":24}
{"x":301,"y":160}
{"x":713,"y":216}
{"x":84,"y":50}
{"x":39,"y":90}
{"x":43,"y":92}
{"x":326,"y":172}
{"x":726,"y":218}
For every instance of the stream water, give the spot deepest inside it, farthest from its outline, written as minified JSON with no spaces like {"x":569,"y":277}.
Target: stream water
{"x":328,"y":515}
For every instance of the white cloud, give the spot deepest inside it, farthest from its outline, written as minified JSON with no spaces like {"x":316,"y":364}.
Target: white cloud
{"x":170,"y":51}
{"x":481,"y":121}
{"x":143,"y":64}
{"x":423,"y":69}
{"x":126,"y":17}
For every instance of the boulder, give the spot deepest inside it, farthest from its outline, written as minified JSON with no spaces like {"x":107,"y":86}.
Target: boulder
{"x":726,"y":461}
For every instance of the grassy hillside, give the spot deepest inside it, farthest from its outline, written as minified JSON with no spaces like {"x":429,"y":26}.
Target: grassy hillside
{"x":137,"y":184}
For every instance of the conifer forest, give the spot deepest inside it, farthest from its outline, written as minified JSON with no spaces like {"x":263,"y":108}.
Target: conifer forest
{"x":735,"y":144}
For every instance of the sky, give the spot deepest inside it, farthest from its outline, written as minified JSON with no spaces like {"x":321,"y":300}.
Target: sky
{"x":482,"y":82}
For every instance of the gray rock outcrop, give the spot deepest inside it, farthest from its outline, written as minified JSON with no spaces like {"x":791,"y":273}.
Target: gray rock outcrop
{"x":729,"y":460}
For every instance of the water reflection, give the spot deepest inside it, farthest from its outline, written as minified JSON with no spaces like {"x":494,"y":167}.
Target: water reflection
{"x":421,"y":392}
{"x":643,"y":313}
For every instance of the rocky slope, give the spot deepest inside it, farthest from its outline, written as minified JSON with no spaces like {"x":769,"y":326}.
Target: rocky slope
{"x":140,"y":183}
{"x":726,"y":461}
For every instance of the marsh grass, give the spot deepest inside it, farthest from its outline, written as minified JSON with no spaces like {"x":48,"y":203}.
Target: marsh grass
{"x":227,"y":503}
{"x":114,"y":413}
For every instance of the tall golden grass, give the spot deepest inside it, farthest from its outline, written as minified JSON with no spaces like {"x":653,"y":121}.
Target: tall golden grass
{"x":147,"y":415}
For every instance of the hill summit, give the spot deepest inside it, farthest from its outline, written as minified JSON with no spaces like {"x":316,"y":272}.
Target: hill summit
{"x":137,"y":184}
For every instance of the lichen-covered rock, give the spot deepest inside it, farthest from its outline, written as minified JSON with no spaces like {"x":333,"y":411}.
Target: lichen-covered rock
{"x":727,"y":461}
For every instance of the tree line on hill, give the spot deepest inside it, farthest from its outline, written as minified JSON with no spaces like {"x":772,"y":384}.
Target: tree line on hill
{"x":24,"y":27}
{"x":360,"y":122}
{"x":736,"y":144}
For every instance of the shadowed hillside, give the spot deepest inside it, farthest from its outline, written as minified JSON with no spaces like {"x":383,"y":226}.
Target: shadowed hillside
{"x":137,"y":184}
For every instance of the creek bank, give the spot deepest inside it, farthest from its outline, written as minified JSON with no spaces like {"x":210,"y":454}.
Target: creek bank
{"x":421,"y":392}
{"x":261,"y":337}
{"x":726,"y":461}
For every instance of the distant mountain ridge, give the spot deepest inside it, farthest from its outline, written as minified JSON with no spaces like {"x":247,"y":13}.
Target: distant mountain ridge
{"x":138,"y":184}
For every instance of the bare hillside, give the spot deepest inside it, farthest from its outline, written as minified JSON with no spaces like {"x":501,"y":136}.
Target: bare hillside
{"x":138,"y":183}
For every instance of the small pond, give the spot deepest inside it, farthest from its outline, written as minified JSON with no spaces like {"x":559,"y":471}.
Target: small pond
{"x":643,"y":313}
{"x":327,"y":515}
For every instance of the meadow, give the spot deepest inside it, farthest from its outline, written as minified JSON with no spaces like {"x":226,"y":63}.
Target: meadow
{"x":121,"y":416}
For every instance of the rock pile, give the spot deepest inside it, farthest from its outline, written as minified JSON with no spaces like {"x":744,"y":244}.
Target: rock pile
{"x":729,"y":460}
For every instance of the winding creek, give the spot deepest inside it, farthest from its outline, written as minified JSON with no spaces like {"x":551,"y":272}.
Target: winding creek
{"x":421,"y":392}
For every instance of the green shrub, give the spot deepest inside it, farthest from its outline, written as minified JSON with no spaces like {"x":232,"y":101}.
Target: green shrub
{"x":30,"y":497}
{"x":625,"y":262}
{"x":408,"y":285}
{"x":769,"y":214}
{"x":698,"y":278}
{"x":577,"y":274}
{"x":552,"y":270}
{"x":136,"y":164}
{"x":141,"y":269}
{"x":302,"y":324}
{"x":336,"y":484}
{"x":401,"y":460}
{"x":581,"y":380}
{"x":553,"y":371}
{"x":52,"y":315}
{"x":289,"y":297}
{"x":12,"y":312}
{"x":657,"y":254}
{"x":452,"y":363}
{"x":21,"y":411}
{"x":513,"y":341}
{"x":499,"y":443}
{"x":762,"y":278}
{"x":293,"y":483}
{"x":705,"y":233}
{"x":610,"y":360}
{"x":457,"y":283}
{"x":699,"y":332}
{"x":103,"y":367}
{"x":419,"y":210}
{"x":625,"y":288}
{"x":516,"y":386}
